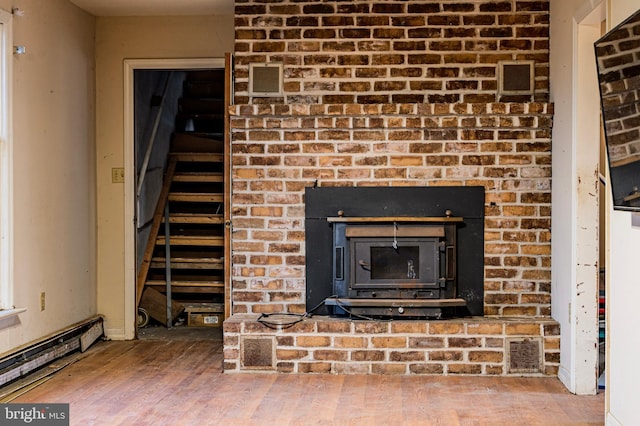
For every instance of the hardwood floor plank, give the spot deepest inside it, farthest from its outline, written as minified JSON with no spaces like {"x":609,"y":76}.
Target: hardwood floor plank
{"x":280,"y":400}
{"x":179,"y":381}
{"x":353,"y":394}
{"x":415,"y":402}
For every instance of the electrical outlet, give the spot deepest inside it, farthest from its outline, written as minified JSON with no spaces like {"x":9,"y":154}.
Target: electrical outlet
{"x":42,"y":300}
{"x":117,"y":175}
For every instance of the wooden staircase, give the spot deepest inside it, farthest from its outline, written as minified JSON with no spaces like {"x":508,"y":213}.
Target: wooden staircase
{"x":188,"y":226}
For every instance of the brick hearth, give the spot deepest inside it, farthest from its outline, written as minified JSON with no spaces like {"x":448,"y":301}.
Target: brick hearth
{"x":473,"y":346}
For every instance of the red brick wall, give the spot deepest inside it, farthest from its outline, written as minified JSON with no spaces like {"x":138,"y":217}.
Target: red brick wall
{"x":391,"y":51}
{"x":390,"y":93}
{"x":278,"y":150}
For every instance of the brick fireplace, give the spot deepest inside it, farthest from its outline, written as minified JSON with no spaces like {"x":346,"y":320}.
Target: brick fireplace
{"x":393,"y":94}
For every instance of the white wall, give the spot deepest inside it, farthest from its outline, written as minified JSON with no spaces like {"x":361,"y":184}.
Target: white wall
{"x":54,"y":169}
{"x":574,"y":90}
{"x":623,"y":294}
{"x":573,"y":26}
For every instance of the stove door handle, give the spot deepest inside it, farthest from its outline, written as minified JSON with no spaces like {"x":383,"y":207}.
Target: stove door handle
{"x":364,"y":265}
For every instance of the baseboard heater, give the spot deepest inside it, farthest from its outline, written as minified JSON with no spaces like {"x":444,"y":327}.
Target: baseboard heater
{"x":29,"y":358}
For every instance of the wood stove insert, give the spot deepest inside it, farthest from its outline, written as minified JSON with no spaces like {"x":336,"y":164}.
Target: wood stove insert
{"x":404,"y":265}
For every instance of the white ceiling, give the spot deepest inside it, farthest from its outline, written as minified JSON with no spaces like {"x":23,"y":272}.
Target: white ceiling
{"x":156,"y":7}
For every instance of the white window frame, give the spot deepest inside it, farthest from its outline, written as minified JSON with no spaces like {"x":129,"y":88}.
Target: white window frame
{"x":6,"y":167}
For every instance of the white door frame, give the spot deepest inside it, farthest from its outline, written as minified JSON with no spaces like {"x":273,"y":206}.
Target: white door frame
{"x":130,"y":65}
{"x":576,"y":149}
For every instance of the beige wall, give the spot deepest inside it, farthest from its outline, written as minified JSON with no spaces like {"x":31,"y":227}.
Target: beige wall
{"x":117,"y":39}
{"x":54,"y":169}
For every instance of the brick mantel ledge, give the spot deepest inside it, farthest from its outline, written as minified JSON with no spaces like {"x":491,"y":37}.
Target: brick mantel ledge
{"x":468,"y":346}
{"x":496,"y":108}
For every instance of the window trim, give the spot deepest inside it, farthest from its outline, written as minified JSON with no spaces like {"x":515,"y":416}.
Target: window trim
{"x":6,"y":164}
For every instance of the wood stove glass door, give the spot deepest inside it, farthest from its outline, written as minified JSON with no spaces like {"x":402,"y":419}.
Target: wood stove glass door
{"x":409,"y":263}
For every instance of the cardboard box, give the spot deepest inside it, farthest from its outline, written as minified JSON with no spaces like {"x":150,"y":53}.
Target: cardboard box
{"x":204,"y":314}
{"x":205,"y":319}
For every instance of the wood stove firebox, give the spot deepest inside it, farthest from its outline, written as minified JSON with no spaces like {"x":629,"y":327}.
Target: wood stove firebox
{"x":394,"y":266}
{"x":386,"y":252}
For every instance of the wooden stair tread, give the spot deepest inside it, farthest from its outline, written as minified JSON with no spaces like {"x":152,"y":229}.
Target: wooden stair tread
{"x":189,"y":265}
{"x":186,"y":287}
{"x":181,"y":194}
{"x":182,"y":283}
{"x":198,"y":177}
{"x":192,"y":240}
{"x":190,"y":259}
{"x":202,"y":264}
{"x":209,"y":135}
{"x":201,"y":197}
{"x":198,"y":156}
{"x":197,"y":218}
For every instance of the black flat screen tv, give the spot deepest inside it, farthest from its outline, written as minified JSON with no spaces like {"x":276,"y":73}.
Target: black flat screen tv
{"x":618,"y":64}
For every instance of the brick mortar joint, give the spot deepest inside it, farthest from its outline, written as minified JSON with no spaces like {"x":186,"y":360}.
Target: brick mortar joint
{"x":324,"y":131}
{"x":244,"y":318}
{"x":366,"y":110}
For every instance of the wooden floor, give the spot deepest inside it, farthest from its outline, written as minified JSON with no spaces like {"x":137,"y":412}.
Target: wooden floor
{"x":173,"y":378}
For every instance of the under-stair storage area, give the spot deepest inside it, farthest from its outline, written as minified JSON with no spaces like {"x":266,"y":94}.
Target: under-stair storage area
{"x":182,"y":268}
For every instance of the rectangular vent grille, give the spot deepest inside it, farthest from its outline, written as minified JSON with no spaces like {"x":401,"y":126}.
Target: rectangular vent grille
{"x":516,"y":77}
{"x":524,"y":355}
{"x":257,"y":353}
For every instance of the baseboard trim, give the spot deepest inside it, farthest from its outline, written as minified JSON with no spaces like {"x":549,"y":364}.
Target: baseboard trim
{"x":30,"y":357}
{"x":612,"y":421}
{"x":565,"y":378}
{"x":115,"y":334}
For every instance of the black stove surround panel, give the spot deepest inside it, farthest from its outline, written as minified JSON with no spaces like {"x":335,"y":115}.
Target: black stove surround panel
{"x":408,"y":252}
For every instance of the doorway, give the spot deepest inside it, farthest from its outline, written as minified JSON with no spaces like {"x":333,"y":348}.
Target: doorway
{"x":163,"y":81}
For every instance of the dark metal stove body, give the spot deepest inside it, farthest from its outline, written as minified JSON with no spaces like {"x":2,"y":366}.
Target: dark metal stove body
{"x":395,"y":252}
{"x":387,"y":265}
